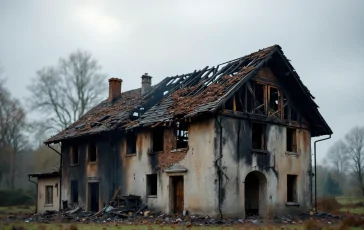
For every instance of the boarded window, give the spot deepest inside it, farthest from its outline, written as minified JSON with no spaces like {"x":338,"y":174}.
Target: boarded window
{"x":258,"y":136}
{"x":92,"y":152}
{"x":291,"y":188}
{"x":74,"y":191}
{"x":182,"y":135}
{"x":158,"y":137}
{"x":131,"y":140}
{"x":74,"y":155}
{"x":49,"y":195}
{"x":291,"y":140}
{"x":152,"y":185}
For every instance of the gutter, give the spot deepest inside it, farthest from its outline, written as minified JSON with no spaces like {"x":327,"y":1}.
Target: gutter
{"x":60,"y":175}
{"x":315,"y":170}
{"x":36,"y":193}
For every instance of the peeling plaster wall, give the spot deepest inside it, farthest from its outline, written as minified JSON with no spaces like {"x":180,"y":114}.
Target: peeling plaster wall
{"x":42,"y":183}
{"x":238,"y":161}
{"x":199,"y":181}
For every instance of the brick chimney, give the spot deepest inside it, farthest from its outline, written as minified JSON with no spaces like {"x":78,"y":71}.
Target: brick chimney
{"x":114,"y":89}
{"x":146,"y":82}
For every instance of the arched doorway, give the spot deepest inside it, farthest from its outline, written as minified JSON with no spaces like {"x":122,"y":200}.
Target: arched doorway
{"x":255,"y":193}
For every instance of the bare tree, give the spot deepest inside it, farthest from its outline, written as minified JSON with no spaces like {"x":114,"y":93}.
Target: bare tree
{"x":12,"y":126}
{"x":355,"y":143}
{"x":65,"y":92}
{"x":338,"y":157}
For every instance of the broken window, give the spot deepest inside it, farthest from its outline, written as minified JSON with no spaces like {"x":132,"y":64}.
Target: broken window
{"x":291,"y":188}
{"x":152,"y":185}
{"x":286,"y":107}
{"x":131,"y":139}
{"x":258,"y":136}
{"x":158,"y":137}
{"x":182,"y":135}
{"x":92,"y":153}
{"x":74,"y":155}
{"x":291,"y":140}
{"x":293,"y":114}
{"x":274,"y":103}
{"x":49,"y":194}
{"x":256,"y":98}
{"x":74,"y":191}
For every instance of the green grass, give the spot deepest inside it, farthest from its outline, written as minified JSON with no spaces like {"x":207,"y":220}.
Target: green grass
{"x":352,"y":205}
{"x":17,"y":210}
{"x":344,"y":200}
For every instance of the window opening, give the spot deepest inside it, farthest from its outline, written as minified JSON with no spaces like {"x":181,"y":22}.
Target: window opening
{"x":49,"y":195}
{"x":291,"y":140}
{"x":74,"y":191}
{"x":293,"y":114}
{"x":291,"y":188}
{"x":259,"y":96}
{"x":182,"y":135}
{"x":258,"y":136}
{"x":158,"y":136}
{"x":273,"y":102}
{"x":286,"y":108}
{"x":131,"y":140}
{"x":74,"y":155}
{"x":152,"y":185}
{"x":92,"y":153}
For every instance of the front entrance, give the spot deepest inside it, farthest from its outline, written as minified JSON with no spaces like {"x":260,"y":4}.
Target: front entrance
{"x":177,"y":194}
{"x":255,"y":193}
{"x":93,"y":196}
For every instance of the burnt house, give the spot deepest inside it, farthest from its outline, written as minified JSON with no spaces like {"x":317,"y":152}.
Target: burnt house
{"x":232,"y":139}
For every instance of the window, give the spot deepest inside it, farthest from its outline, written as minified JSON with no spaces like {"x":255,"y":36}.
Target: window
{"x":74,"y":155}
{"x":158,"y":136}
{"x":258,"y":136}
{"x":131,"y":140}
{"x":291,"y":140}
{"x":49,"y":195}
{"x":92,"y":152}
{"x":152,"y":185}
{"x":286,"y":107}
{"x":255,"y":97}
{"x":74,"y":191}
{"x":291,"y":188}
{"x":274,"y":103}
{"x":182,"y":135}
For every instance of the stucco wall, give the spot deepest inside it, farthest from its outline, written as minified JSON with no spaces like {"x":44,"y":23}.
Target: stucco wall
{"x":42,"y":183}
{"x":238,"y":160}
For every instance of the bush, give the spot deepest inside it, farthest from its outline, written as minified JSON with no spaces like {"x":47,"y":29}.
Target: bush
{"x":328,"y":204}
{"x":15,"y":198}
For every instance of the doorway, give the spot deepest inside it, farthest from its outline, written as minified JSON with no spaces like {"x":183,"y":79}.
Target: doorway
{"x":177,"y":194}
{"x":93,"y":194}
{"x":255,"y":194}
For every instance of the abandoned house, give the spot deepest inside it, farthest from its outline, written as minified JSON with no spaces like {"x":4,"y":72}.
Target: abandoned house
{"x":48,"y":190}
{"x":232,"y":139}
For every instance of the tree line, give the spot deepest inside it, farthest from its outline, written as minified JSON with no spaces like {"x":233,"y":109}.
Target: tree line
{"x":59,"y":95}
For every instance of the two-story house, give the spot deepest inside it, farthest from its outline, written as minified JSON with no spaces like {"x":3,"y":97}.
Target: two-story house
{"x":232,"y":139}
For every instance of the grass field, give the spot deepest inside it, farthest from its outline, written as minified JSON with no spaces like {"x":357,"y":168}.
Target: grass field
{"x":351,"y":205}
{"x":17,"y":210}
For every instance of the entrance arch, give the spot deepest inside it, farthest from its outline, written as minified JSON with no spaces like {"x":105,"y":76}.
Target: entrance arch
{"x":255,"y":193}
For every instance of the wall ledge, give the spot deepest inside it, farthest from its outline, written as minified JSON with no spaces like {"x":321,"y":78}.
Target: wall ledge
{"x":294,"y":204}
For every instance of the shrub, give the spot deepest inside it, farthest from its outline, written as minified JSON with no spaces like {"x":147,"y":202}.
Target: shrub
{"x":328,"y":204}
{"x":15,"y":198}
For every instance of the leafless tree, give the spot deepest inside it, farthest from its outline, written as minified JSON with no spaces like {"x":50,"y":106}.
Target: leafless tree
{"x":338,"y":157}
{"x":355,"y":144}
{"x":12,"y":126}
{"x":65,"y":92}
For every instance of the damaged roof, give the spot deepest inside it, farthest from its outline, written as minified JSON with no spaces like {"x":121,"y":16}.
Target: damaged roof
{"x":54,"y":171}
{"x":192,"y":94}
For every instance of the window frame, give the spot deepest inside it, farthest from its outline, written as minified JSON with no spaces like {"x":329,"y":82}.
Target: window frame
{"x":292,"y":179}
{"x":294,"y":142}
{"x":154,"y":133}
{"x":149,"y":186}
{"x":89,"y":153}
{"x":263,"y":137}
{"x":72,"y":152}
{"x":135,"y":140}
{"x":48,"y":200}
{"x":72,"y":195}
{"x":177,"y":130}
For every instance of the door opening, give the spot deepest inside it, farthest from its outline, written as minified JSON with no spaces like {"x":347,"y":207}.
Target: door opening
{"x":93,"y":194}
{"x":255,"y":194}
{"x":177,"y":194}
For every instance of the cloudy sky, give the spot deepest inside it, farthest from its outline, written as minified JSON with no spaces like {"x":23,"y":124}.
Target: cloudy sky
{"x":323,"y":39}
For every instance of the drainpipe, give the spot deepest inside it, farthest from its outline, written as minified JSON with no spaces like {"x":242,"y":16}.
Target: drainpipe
{"x":315,"y":170}
{"x":36,"y":193}
{"x":60,"y":176}
{"x":218,"y":166}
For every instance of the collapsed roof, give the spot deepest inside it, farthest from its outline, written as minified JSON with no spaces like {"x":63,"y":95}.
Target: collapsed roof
{"x":189,"y":95}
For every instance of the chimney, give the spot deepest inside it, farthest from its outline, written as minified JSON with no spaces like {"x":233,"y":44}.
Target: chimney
{"x":114,"y":89}
{"x":146,"y":82}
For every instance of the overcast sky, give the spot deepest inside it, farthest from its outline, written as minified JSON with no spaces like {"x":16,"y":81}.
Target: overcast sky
{"x":323,"y":39}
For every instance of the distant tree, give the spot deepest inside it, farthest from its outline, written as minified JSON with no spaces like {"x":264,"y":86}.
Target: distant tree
{"x":65,"y":92}
{"x":355,"y":144}
{"x":331,"y":187}
{"x":338,"y":157}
